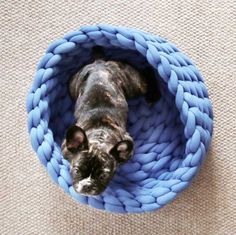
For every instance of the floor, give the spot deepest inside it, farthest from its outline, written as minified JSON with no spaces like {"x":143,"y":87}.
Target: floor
{"x":29,"y":202}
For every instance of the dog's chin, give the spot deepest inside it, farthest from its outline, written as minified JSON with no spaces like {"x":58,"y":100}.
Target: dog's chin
{"x":90,"y":194}
{"x":93,"y":192}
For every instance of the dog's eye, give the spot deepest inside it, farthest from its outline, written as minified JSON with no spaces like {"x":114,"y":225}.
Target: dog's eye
{"x":80,"y":169}
{"x":103,"y":176}
{"x":74,"y":171}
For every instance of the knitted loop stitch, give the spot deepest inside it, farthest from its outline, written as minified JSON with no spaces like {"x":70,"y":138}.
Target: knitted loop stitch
{"x":171,"y":137}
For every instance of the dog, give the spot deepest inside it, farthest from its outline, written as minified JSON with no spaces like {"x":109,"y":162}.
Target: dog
{"x":99,"y":142}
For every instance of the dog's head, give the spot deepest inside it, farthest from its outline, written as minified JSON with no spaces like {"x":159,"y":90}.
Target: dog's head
{"x":92,"y":168}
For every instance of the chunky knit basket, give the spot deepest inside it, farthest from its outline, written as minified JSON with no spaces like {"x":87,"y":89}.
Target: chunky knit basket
{"x":171,"y":137}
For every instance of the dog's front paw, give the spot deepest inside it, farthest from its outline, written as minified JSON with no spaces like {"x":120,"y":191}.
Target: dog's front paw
{"x":153,"y":92}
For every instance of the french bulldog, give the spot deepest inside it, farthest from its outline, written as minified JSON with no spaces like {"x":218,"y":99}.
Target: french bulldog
{"x":98,"y":142}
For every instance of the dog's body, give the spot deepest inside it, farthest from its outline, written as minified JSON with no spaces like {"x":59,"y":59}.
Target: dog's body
{"x":99,"y":141}
{"x":101,"y":106}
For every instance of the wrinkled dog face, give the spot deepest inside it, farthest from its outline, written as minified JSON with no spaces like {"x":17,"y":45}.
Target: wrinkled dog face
{"x":91,"y":171}
{"x":92,"y":168}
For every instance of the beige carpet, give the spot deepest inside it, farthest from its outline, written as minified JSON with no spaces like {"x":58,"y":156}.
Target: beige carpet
{"x":29,"y":202}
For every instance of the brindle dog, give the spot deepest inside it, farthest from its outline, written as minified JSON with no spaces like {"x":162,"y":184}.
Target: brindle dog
{"x":99,"y":142}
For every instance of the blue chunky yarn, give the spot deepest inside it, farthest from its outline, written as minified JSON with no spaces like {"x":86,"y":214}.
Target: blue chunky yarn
{"x":171,"y":138}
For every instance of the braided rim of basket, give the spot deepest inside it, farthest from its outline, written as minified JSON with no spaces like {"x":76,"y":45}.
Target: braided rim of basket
{"x":184,"y":82}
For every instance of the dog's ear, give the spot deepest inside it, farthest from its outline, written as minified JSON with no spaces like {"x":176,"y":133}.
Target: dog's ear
{"x":76,"y":139}
{"x":122,"y":151}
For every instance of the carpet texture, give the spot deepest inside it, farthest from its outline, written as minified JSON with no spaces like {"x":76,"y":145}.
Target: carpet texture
{"x":29,"y":202}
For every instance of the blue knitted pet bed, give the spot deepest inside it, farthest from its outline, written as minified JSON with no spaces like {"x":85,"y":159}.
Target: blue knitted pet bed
{"x":171,"y":137}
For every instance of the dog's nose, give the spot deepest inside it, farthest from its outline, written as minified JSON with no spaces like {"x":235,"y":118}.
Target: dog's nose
{"x":83,"y":186}
{"x":87,"y":187}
